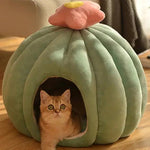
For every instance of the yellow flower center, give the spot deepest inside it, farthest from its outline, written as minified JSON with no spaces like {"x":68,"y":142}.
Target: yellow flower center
{"x":73,"y":4}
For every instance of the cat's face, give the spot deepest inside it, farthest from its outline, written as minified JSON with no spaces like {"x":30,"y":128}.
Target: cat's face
{"x":55,"y":108}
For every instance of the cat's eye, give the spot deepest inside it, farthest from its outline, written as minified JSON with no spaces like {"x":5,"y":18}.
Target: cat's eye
{"x":50,"y":107}
{"x":62,"y":106}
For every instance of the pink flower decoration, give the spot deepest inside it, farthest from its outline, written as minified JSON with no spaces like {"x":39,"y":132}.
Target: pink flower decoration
{"x":77,"y":15}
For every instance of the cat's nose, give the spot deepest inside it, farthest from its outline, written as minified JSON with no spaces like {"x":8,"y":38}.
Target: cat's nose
{"x":57,"y":110}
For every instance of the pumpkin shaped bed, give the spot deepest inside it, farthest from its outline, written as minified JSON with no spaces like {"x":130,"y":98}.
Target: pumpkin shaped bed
{"x":94,"y":61}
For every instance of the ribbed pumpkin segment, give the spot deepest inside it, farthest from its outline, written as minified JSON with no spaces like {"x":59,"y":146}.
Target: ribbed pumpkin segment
{"x":80,"y":69}
{"x":117,"y":37}
{"x":111,"y":98}
{"x":129,"y":77}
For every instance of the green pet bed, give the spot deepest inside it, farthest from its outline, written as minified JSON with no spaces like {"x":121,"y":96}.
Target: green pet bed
{"x":96,"y":62}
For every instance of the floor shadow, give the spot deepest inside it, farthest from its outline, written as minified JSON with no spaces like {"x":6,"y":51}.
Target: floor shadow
{"x":4,"y":57}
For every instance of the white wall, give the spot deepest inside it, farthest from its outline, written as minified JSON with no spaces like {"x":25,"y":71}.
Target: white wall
{"x":143,"y":9}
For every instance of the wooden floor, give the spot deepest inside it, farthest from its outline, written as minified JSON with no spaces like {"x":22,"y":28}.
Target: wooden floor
{"x":10,"y":139}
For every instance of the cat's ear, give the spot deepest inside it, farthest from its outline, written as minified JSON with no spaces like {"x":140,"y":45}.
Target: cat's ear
{"x":44,"y":96}
{"x":66,"y":96}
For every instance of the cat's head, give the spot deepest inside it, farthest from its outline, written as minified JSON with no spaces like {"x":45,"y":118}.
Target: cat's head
{"x":55,"y":108}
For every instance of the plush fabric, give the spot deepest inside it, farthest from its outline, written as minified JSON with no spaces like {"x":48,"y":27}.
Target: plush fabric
{"x":98,"y":61}
{"x":77,"y":15}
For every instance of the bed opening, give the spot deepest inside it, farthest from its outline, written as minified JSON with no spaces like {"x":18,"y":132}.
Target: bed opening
{"x":55,"y":86}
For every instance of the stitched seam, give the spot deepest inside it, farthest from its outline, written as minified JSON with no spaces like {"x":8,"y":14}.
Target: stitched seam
{"x":93,"y":70}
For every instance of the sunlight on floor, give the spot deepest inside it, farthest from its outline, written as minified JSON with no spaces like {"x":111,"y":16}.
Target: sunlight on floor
{"x":10,"y":43}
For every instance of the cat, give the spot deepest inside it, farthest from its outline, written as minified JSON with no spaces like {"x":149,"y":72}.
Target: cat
{"x":57,"y":120}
